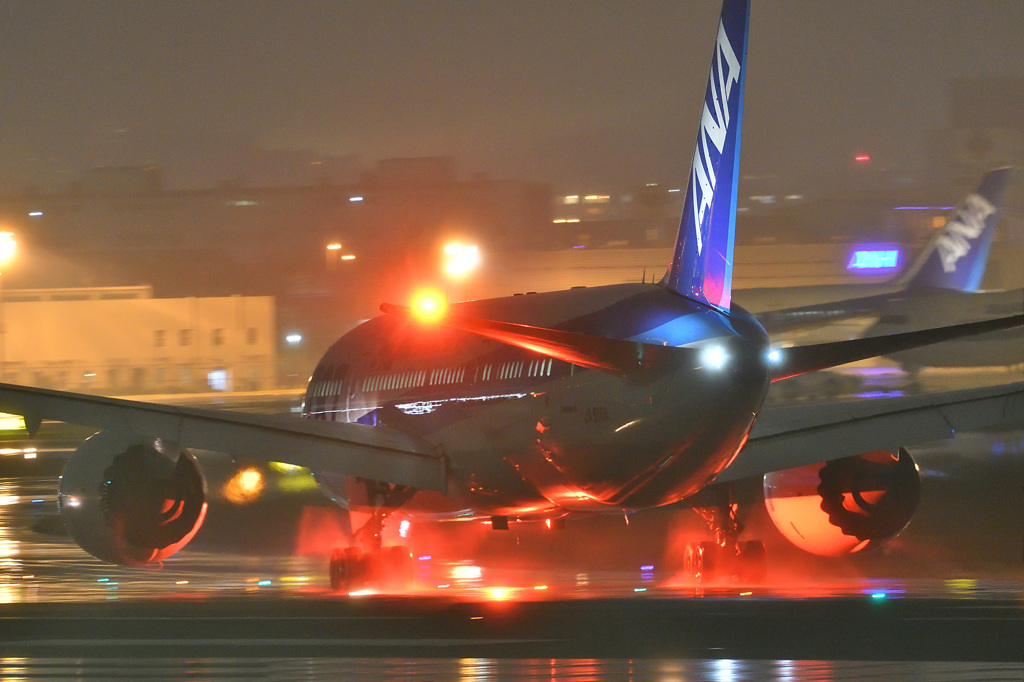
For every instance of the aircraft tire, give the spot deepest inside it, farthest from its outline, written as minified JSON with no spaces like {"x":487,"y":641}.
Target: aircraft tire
{"x":345,"y":569}
{"x":709,"y":554}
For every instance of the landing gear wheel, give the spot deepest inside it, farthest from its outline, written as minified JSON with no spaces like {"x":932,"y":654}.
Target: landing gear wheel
{"x":346,"y":569}
{"x":701,"y":561}
{"x":708,"y":552}
{"x":690,"y":561}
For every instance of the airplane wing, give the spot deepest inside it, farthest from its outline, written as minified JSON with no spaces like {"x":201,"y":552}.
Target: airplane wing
{"x":371,"y":452}
{"x":793,"y":435}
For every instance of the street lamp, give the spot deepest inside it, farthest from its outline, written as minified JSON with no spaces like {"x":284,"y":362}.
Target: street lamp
{"x":335,"y":255}
{"x":8,"y":247}
{"x":460,"y":259}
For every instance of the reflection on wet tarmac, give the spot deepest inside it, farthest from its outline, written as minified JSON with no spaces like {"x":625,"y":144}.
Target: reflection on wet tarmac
{"x":40,"y":566}
{"x":493,"y":669}
{"x":43,"y":567}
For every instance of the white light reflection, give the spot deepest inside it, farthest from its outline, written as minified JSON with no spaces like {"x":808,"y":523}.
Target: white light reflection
{"x":724,"y":669}
{"x":428,"y":406}
{"x":714,"y":357}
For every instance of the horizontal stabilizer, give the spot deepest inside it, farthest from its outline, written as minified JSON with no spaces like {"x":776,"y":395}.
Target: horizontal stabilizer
{"x":614,"y":356}
{"x":803,"y":359}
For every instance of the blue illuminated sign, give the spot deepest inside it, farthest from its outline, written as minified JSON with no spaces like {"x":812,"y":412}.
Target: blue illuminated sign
{"x":874,"y":259}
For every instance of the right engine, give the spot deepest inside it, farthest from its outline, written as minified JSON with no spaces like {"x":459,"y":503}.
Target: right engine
{"x":131,"y":502}
{"x":846,"y":505}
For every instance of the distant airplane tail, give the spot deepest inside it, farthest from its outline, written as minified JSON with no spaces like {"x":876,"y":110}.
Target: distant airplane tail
{"x":701,"y":267}
{"x":956,"y":257}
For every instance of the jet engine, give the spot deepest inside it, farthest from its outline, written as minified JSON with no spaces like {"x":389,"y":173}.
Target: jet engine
{"x":130,"y":501}
{"x":844,"y":506}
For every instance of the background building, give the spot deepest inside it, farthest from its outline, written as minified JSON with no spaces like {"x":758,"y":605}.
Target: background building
{"x":108,"y":341}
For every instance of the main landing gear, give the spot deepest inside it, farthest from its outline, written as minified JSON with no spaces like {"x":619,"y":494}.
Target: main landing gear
{"x":366,"y":563}
{"x":726,"y":557}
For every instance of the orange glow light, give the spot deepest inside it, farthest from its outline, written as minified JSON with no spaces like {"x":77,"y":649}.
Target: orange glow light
{"x":244,"y":487}
{"x":499,"y":593}
{"x":429,"y":305}
{"x":461,"y":259}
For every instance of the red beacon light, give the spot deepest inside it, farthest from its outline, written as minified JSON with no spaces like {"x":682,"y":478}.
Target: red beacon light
{"x":428,"y":305}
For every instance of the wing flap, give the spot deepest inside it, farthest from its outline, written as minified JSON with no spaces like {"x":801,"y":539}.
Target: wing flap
{"x":791,"y":436}
{"x":375,"y":453}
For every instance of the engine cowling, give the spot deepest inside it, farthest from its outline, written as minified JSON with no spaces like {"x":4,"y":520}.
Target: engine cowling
{"x":131,"y":502}
{"x":844,"y":506}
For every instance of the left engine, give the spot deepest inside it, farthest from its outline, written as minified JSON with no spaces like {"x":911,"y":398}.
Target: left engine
{"x":131,"y":502}
{"x":846,"y":505}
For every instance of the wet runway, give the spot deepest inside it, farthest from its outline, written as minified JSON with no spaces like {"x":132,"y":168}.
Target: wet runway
{"x":249,"y":597}
{"x":207,"y":615}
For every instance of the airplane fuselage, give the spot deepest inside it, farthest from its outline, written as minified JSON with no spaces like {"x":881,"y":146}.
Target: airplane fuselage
{"x":529,"y":435}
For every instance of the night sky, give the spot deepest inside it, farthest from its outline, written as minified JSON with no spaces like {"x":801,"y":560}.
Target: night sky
{"x":580,"y":94}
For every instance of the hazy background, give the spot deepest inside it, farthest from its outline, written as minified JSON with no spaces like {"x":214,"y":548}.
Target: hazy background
{"x":573,"y":93}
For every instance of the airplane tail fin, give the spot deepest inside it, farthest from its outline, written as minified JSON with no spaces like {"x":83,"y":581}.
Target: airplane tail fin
{"x":956,"y":257}
{"x":701,"y":267}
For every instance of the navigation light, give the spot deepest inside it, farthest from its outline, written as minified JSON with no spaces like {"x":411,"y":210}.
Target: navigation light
{"x":429,"y":305}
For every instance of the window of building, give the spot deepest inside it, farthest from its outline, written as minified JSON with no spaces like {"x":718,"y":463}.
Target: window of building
{"x":159,"y":338}
{"x":217,"y":337}
{"x":217,"y":379}
{"x":184,"y":337}
{"x":251,"y":336}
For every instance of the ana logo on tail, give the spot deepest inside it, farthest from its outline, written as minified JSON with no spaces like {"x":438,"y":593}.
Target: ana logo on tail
{"x":714,"y":125}
{"x":969,"y":222}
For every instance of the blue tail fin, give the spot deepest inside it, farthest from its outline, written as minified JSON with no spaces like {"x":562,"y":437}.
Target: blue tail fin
{"x":955,"y":258}
{"x":701,"y":266}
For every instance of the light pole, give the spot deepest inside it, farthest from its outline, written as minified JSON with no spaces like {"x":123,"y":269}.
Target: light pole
{"x":8,"y":246}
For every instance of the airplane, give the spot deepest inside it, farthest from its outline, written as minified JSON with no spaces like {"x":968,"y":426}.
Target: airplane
{"x":595,"y":400}
{"x":954,"y":260}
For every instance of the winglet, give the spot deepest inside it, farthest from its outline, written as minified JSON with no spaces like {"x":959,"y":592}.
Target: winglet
{"x":701,"y":267}
{"x":956,"y":257}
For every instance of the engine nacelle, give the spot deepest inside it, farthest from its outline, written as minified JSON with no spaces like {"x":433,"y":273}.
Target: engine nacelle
{"x":844,"y":506}
{"x":131,"y":502}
